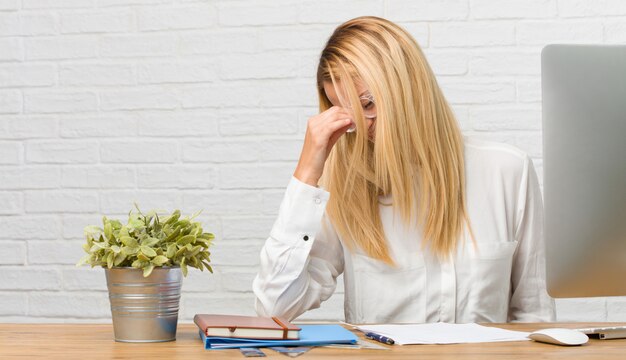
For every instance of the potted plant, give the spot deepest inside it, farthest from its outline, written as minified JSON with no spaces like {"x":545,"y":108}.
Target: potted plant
{"x":145,"y":261}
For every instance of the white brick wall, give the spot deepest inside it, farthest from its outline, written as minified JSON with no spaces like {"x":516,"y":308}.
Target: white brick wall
{"x":203,"y":104}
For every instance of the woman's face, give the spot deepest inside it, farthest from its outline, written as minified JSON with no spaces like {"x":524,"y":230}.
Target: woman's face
{"x":367,"y":105}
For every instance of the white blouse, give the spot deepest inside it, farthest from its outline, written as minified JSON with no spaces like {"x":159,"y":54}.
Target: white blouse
{"x":500,"y":279}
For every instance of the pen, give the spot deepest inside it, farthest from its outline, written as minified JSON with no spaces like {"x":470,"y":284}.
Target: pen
{"x":380,"y":338}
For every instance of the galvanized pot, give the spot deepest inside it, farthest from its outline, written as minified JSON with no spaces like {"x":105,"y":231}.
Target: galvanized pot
{"x":144,"y":309}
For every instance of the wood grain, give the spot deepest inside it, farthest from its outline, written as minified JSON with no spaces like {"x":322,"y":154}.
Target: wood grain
{"x":95,"y":341}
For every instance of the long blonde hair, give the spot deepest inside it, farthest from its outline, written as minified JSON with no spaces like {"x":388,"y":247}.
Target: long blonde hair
{"x":417,"y":152}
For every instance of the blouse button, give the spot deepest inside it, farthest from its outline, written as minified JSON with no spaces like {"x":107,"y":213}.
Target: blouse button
{"x":306,"y":237}
{"x":318,"y":201}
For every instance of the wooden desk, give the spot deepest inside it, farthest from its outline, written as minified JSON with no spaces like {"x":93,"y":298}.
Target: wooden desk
{"x":87,"y":341}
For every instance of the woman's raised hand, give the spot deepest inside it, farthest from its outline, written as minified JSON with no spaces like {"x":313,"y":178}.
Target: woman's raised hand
{"x":322,"y":132}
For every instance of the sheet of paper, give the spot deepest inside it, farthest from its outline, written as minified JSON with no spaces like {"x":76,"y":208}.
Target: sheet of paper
{"x":444,"y":333}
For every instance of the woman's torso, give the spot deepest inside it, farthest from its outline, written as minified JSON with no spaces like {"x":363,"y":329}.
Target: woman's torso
{"x":471,"y":286}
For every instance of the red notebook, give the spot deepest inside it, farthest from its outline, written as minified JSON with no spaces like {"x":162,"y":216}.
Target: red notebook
{"x":248,"y":327}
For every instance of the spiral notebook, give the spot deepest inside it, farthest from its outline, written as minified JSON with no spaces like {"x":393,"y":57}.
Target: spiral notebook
{"x":310,"y":335}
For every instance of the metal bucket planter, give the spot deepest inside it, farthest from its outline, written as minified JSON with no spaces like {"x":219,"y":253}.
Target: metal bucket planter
{"x":144,"y":309}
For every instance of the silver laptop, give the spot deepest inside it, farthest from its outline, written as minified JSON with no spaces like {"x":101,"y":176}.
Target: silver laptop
{"x":584,"y":142}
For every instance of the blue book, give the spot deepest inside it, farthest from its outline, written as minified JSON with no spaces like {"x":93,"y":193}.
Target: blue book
{"x":310,"y":335}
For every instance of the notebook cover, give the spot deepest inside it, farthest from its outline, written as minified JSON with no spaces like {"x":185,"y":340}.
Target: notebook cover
{"x":310,"y":335}
{"x":233,"y":322}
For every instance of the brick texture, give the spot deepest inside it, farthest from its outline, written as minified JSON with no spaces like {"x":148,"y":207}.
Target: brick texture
{"x":203,"y":105}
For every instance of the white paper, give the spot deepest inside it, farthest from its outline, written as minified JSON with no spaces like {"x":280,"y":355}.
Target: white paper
{"x":443,"y":333}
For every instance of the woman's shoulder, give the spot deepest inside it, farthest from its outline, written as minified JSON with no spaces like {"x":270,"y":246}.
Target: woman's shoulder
{"x":489,"y":157}
{"x":492,"y":149}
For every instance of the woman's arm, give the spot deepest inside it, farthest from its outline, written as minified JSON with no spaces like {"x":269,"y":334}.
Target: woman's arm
{"x":530,"y":301}
{"x":302,"y":257}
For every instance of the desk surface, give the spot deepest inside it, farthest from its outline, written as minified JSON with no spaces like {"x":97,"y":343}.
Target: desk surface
{"x":89,"y":341}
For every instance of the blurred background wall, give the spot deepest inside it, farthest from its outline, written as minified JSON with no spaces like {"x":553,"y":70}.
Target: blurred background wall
{"x":203,"y":105}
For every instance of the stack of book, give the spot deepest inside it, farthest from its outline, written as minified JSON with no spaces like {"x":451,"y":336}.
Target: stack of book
{"x":236,"y":331}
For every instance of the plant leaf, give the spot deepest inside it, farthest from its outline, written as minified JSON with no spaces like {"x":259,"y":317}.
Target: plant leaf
{"x":129,"y":250}
{"x":101,"y":245}
{"x":110,"y":260}
{"x":206,"y":236}
{"x":183,"y":267}
{"x":150,"y":241}
{"x":173,"y":235}
{"x":196,"y":250}
{"x":119,"y":258}
{"x":160,"y":260}
{"x":108,"y":229}
{"x":148,"y":270}
{"x":183,"y":223}
{"x":92,"y":230}
{"x":123,"y":232}
{"x":171,"y":251}
{"x":148,"y":251}
{"x":129,"y":241}
{"x":206,"y":264}
{"x":196,"y":214}
{"x":173,"y":218}
{"x":187,"y":239}
{"x":116,"y":224}
{"x":136,"y":223}
{"x":84,"y":260}
{"x":181,"y":251}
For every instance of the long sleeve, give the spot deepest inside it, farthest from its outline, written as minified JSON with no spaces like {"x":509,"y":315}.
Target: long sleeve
{"x":530,"y":301}
{"x":302,"y":257}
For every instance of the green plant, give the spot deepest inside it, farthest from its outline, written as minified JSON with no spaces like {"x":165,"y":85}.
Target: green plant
{"x":148,"y":241}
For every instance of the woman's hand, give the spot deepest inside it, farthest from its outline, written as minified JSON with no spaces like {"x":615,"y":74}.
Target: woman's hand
{"x":322,"y":132}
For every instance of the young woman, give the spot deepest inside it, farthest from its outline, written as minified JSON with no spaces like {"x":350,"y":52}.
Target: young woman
{"x":425,"y":225}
